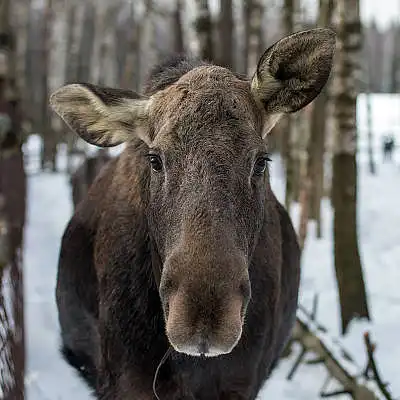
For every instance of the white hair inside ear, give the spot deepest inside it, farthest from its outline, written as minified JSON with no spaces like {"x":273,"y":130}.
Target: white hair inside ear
{"x":270,"y":121}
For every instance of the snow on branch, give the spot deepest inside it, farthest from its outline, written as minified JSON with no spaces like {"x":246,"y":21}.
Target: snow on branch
{"x":360,"y":384}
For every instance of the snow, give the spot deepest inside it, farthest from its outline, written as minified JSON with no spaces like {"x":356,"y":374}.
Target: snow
{"x":49,"y":208}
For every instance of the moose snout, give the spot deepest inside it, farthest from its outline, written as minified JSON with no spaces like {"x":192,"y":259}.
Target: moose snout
{"x":204,"y":312}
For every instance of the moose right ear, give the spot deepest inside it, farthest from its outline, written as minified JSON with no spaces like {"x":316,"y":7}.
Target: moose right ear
{"x":293,"y":71}
{"x":102,"y":116}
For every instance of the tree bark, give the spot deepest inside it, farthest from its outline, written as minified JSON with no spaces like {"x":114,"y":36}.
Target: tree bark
{"x":49,"y":140}
{"x":395,"y":64}
{"x":287,"y":137}
{"x":316,"y":143}
{"x":226,"y":34}
{"x":254,"y":15}
{"x":204,"y":30}
{"x":148,"y":44}
{"x":12,"y":215}
{"x":371,"y":161}
{"x":349,"y":274}
{"x":86,"y":46}
{"x":130,"y":75}
{"x":179,"y":46}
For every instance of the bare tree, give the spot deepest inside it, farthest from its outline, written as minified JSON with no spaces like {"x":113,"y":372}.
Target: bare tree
{"x":316,"y":143}
{"x":349,"y":274}
{"x":104,"y":66}
{"x":130,"y":77}
{"x":395,"y":64}
{"x":371,"y":161}
{"x":179,"y":46}
{"x":12,"y":215}
{"x":86,"y":45}
{"x":148,"y":46}
{"x":254,"y":12}
{"x":287,"y":137}
{"x":204,"y":29}
{"x":49,"y":141}
{"x":226,"y":34}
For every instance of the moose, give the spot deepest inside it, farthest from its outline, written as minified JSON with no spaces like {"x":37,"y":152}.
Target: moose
{"x":179,"y":272}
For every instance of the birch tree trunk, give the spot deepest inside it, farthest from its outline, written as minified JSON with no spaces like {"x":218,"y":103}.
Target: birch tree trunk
{"x":130,"y":78}
{"x":226,"y":34}
{"x":74,"y":16}
{"x":316,"y":143}
{"x":21,"y":13}
{"x":104,"y":65}
{"x":204,"y":29}
{"x":287,"y":139}
{"x":148,"y":45}
{"x":49,"y":143}
{"x":371,"y":161}
{"x":179,"y":46}
{"x":254,"y":13}
{"x":12,"y":215}
{"x":86,"y":45}
{"x":395,"y":64}
{"x":349,"y":274}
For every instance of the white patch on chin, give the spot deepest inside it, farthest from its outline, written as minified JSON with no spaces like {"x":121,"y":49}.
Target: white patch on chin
{"x":192,"y":351}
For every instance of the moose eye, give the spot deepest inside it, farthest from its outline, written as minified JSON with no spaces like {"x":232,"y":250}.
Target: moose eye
{"x":155,"y":162}
{"x":260,"y":165}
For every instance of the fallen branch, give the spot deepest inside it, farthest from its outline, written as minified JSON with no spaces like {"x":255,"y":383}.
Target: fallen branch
{"x":314,"y":339}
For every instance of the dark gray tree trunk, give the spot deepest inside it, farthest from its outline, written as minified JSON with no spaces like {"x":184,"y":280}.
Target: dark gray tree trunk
{"x":12,"y":217}
{"x":179,"y":46}
{"x":316,"y":143}
{"x":226,"y":34}
{"x":204,"y":30}
{"x":253,"y":36}
{"x":349,"y":274}
{"x":49,"y":144}
{"x":287,"y":139}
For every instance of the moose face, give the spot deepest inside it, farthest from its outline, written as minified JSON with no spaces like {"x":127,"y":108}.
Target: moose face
{"x":209,"y":180}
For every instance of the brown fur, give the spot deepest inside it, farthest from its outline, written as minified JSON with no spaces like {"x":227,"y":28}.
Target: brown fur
{"x":227,"y":252}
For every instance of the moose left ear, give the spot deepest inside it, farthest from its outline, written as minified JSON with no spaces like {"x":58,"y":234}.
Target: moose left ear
{"x":293,"y":71}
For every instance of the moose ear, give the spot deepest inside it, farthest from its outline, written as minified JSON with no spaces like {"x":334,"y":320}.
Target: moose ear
{"x":101,"y":116}
{"x":293,"y":71}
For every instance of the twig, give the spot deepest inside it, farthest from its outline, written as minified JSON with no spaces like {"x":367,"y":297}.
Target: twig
{"x":372,"y":366}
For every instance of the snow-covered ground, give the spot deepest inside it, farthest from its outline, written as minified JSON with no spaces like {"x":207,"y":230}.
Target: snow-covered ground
{"x":49,"y":208}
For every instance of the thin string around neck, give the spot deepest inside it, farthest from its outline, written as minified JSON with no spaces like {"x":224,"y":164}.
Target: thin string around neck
{"x":166,"y":355}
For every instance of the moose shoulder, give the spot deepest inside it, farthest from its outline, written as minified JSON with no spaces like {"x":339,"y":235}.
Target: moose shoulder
{"x":180,"y":243}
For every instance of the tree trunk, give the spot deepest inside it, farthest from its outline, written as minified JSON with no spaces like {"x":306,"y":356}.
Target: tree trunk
{"x":179,"y":46}
{"x":349,"y":274}
{"x":49,"y":144}
{"x":21,"y":17}
{"x":204,"y":30}
{"x":226,"y":34}
{"x":129,"y":74}
{"x":287,"y":139}
{"x":104,"y":38}
{"x":395,"y":70}
{"x":254,"y":15}
{"x":316,"y":143}
{"x":148,"y":45}
{"x":86,"y":46}
{"x":371,"y":162}
{"x":12,"y":216}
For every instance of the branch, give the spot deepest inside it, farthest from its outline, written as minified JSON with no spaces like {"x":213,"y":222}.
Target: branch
{"x":372,"y":366}
{"x":313,"y":338}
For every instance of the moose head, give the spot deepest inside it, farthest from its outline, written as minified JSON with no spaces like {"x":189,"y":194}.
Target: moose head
{"x":208,"y":187}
